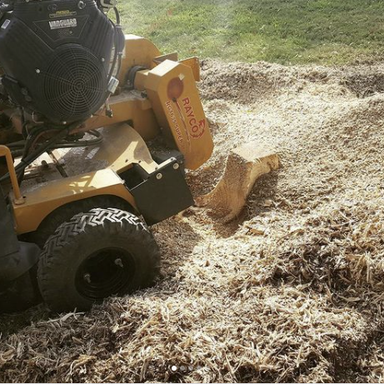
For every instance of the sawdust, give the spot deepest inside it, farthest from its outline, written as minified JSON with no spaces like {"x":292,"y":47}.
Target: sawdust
{"x":292,"y":290}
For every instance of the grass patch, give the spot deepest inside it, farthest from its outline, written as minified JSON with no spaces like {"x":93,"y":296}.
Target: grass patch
{"x":282,"y":31}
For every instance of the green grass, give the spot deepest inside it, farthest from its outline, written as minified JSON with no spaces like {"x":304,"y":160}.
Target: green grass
{"x":283,"y":31}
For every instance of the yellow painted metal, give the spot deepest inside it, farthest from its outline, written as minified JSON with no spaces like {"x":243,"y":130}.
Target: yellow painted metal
{"x":141,"y":79}
{"x":123,"y":146}
{"x":194,"y":63}
{"x":5,"y":152}
{"x":174,"y":56}
{"x":138,"y":51}
{"x":181,"y":118}
{"x":129,"y":107}
{"x":173,"y":106}
{"x":176,"y":102}
{"x":44,"y":200}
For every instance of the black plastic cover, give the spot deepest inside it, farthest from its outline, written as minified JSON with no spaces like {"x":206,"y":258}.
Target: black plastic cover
{"x":16,"y":257}
{"x":58,"y":53}
{"x":163,"y":194}
{"x":8,"y":239}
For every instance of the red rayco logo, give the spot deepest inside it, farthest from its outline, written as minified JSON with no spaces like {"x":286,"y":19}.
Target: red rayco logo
{"x":192,"y":127}
{"x":197,"y":128}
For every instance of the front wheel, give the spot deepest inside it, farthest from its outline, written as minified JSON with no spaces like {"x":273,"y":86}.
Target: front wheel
{"x":95,"y":255}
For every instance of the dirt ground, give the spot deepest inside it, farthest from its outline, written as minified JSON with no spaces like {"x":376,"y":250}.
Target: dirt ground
{"x":292,"y":290}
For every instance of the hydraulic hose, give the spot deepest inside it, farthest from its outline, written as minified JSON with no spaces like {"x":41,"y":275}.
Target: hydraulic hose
{"x":119,"y":43}
{"x":29,"y":159}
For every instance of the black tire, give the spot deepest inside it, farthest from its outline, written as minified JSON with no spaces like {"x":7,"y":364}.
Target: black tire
{"x":65,"y":213}
{"x":95,"y":255}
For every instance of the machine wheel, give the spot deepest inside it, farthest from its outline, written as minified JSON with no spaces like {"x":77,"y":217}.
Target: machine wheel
{"x":66,"y":212}
{"x":95,"y":255}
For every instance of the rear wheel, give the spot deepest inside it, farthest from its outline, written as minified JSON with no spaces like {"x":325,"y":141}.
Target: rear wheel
{"x":95,"y":255}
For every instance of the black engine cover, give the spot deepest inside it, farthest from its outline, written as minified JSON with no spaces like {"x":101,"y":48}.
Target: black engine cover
{"x":56,"y":56}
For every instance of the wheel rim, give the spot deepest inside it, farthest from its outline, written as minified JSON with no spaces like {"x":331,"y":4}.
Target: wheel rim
{"x":105,"y":273}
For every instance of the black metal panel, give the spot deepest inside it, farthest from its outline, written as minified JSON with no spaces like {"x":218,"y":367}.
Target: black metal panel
{"x":163,"y":194}
{"x":16,"y":257}
{"x":8,"y":240}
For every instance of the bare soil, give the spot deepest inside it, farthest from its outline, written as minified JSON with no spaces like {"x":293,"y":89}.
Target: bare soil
{"x":290,"y":291}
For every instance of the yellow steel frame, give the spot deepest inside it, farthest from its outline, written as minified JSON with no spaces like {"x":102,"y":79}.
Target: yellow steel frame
{"x":179,"y":116}
{"x":5,"y":152}
{"x":42,"y":201}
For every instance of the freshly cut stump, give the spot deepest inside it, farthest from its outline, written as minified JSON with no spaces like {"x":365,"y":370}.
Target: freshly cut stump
{"x":245,"y":165}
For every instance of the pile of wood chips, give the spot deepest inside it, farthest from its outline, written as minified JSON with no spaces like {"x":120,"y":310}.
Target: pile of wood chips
{"x":291,"y":290}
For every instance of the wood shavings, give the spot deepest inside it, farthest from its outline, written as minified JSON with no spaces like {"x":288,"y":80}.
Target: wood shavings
{"x":291,"y":290}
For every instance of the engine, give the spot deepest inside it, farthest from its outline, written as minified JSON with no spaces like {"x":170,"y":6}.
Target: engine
{"x":56,"y":58}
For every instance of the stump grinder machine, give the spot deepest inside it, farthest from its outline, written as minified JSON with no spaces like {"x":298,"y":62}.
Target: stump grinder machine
{"x":96,"y":131}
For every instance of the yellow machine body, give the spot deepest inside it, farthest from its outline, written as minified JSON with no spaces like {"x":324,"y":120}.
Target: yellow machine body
{"x":163,"y":100}
{"x":41,"y":202}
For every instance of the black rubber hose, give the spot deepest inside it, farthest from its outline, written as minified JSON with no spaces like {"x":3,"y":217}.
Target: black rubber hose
{"x":117,"y":16}
{"x":119,"y":41}
{"x":33,"y":156}
{"x":17,"y":148}
{"x":32,"y":136}
{"x":28,"y":160}
{"x":114,"y":56}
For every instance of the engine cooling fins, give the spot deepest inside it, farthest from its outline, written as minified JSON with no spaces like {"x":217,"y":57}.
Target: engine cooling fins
{"x":74,"y":83}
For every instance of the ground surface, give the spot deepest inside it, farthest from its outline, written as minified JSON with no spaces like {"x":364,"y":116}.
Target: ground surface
{"x":283,"y":31}
{"x":290,"y":291}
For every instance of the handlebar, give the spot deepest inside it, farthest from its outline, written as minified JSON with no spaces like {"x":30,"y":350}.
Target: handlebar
{"x":6,"y":152}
